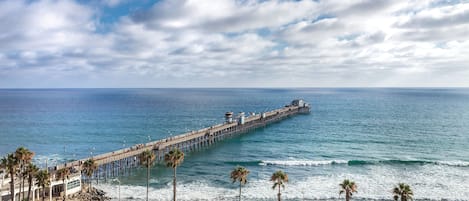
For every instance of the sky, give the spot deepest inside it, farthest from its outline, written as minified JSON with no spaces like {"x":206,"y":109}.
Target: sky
{"x":227,"y":43}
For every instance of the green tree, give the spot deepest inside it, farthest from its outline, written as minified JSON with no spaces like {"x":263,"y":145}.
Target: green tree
{"x":43,"y":180}
{"x":24,"y":156}
{"x":10,"y":163}
{"x":63,"y":174}
{"x":279,"y":178}
{"x":240,"y":174}
{"x":403,"y":191}
{"x":89,"y":166}
{"x":147,"y":158}
{"x":348,"y":187}
{"x":31,"y":171}
{"x":173,"y":159}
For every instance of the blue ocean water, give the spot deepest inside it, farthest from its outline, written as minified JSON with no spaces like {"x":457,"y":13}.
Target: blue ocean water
{"x":375,"y":136}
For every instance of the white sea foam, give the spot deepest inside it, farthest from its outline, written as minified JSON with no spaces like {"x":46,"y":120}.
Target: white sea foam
{"x":374,"y":183}
{"x":454,"y":163}
{"x":303,"y":162}
{"x":294,"y":162}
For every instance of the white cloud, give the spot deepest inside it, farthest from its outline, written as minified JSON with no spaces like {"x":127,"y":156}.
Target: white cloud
{"x":236,"y":43}
{"x":445,"y":16}
{"x":45,"y":25}
{"x":224,"y":15}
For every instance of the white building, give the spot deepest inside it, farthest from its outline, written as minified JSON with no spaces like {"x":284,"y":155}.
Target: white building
{"x":72,"y":184}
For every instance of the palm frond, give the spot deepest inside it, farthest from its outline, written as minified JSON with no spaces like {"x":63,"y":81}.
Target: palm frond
{"x":279,"y":178}
{"x":174,"y":158}
{"x":147,"y":158}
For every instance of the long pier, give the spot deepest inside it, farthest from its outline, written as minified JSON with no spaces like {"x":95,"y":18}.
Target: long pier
{"x":117,"y":161}
{"x":120,"y":161}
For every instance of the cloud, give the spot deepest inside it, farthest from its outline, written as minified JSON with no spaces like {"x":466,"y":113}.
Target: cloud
{"x":184,"y":43}
{"x":44,"y":24}
{"x":446,"y":16}
{"x":444,"y":23}
{"x":224,"y":15}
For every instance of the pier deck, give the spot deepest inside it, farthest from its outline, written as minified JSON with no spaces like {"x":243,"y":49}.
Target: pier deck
{"x":192,"y":139}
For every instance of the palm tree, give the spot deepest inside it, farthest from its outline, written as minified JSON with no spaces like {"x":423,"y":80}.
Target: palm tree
{"x":279,"y":178}
{"x":31,"y":170}
{"x":89,"y":166}
{"x":10,"y":163}
{"x":147,"y":158}
{"x":173,"y":159}
{"x":43,"y":180}
{"x":348,"y":187}
{"x":240,"y":174}
{"x":24,"y":157}
{"x":63,"y":174}
{"x":402,"y":190}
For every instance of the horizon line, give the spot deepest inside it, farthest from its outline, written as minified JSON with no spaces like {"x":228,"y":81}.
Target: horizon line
{"x":339,"y":87}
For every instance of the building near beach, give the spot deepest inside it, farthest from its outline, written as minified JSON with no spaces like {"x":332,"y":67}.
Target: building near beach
{"x":56,"y":189}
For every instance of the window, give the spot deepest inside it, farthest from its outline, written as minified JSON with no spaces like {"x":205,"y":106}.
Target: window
{"x":73,"y":184}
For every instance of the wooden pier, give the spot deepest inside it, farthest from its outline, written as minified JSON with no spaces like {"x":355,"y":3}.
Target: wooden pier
{"x":120,"y":162}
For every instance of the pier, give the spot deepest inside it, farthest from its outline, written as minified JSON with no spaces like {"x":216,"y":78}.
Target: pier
{"x":120,"y":162}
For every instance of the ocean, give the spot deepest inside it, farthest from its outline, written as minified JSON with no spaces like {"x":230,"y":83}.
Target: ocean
{"x":376,"y":137}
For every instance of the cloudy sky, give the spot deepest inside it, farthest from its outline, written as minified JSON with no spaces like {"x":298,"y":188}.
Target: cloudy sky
{"x":225,"y":43}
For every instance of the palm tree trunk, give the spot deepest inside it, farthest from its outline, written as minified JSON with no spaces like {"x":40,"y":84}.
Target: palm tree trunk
{"x":403,"y":198}
{"x":43,"y":192}
{"x":12,"y":185}
{"x":22,"y":183}
{"x":239,"y":191}
{"x":65,"y":190}
{"x":89,"y":186}
{"x":30,"y":183}
{"x":22,"y":187}
{"x":19,"y":177}
{"x":19,"y":189}
{"x":279,"y":193}
{"x":347,"y":195}
{"x":148,"y":177}
{"x":174,"y":185}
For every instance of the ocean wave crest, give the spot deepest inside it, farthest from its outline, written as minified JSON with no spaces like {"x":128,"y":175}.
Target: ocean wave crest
{"x":303,"y":162}
{"x":359,"y":162}
{"x":454,"y":163}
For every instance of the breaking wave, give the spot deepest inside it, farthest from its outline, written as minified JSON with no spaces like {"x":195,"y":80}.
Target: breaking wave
{"x":375,"y":185}
{"x":303,"y":162}
{"x":358,"y":162}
